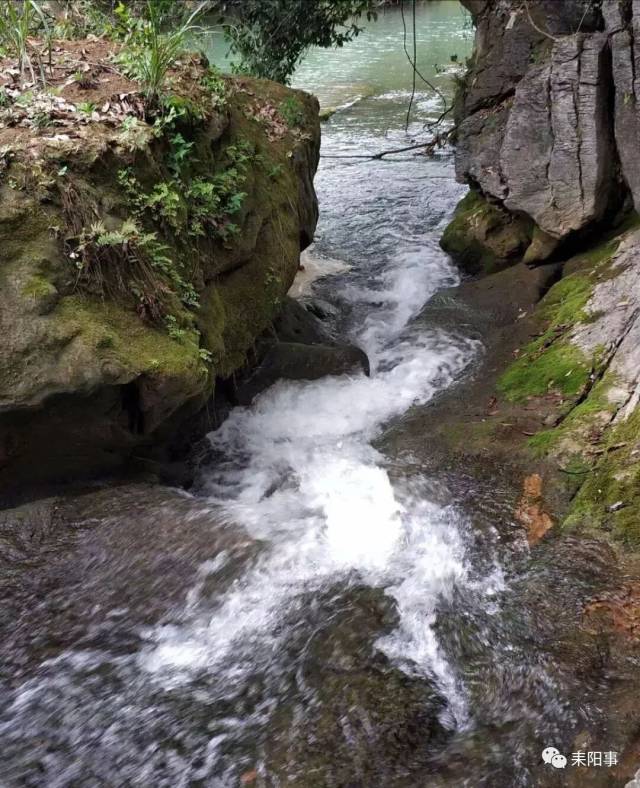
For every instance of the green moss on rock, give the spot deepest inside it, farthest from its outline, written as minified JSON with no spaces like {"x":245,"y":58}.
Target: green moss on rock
{"x":38,"y":287}
{"x":609,"y":498}
{"x":598,"y":457}
{"x":573,"y":430}
{"x":551,"y":363}
{"x":561,"y":368}
{"x":117,"y":335}
{"x":483,"y":237}
{"x":66,"y":341}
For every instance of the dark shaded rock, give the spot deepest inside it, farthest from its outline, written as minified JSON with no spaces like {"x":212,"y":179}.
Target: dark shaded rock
{"x":623,"y":25}
{"x":361,"y":721}
{"x":321,"y":309}
{"x":298,"y":348}
{"x":297,"y":323}
{"x":295,"y":361}
{"x":542,"y":247}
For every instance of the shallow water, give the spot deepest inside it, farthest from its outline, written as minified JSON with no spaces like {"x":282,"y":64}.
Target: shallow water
{"x":370,"y":629}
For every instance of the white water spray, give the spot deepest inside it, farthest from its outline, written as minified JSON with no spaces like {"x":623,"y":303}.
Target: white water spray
{"x":299,"y":472}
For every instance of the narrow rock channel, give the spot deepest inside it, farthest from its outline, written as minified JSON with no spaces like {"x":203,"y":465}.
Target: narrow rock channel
{"x":362,"y":585}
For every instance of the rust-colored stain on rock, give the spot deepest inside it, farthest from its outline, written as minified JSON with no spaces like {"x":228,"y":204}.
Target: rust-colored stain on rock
{"x":530,"y":511}
{"x":618,"y":610}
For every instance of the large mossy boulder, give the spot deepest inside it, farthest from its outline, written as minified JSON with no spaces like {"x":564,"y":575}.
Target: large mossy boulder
{"x":140,"y":258}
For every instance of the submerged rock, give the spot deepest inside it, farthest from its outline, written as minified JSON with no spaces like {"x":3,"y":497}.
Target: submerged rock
{"x":360,"y":720}
{"x":92,"y":569}
{"x":298,"y":349}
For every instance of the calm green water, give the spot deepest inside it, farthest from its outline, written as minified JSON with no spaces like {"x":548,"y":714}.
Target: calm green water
{"x":374,"y":65}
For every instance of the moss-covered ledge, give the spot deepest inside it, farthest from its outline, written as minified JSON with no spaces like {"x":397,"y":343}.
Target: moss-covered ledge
{"x":563,"y":403}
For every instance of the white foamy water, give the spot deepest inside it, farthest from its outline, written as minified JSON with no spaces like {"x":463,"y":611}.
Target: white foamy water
{"x":298,"y":470}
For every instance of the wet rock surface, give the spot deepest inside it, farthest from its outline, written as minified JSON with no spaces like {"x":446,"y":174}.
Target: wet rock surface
{"x":568,"y":596}
{"x":379,"y":724}
{"x":88,"y":572}
{"x":300,"y":347}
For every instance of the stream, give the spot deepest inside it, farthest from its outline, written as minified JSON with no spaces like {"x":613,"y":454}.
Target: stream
{"x":360,"y":623}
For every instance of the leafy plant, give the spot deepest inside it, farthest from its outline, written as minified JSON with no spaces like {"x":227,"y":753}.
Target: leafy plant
{"x":41,"y":120}
{"x":166,"y":203}
{"x":270,"y":36}
{"x":19,"y":20}
{"x":275,"y":171}
{"x":25,"y":98}
{"x":123,"y":262}
{"x":174,"y":329}
{"x":183,"y":107}
{"x":150,"y":53}
{"x":198,"y":205}
{"x":134,"y":134}
{"x":212,"y":201}
{"x":88,"y":107}
{"x":180,"y":152}
{"x":215,"y":85}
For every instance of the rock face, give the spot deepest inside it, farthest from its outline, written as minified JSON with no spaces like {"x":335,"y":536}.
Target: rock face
{"x":548,"y":133}
{"x":612,"y":327}
{"x":92,"y":370}
{"x":556,"y":157}
{"x":623,"y":26}
{"x":548,"y":123}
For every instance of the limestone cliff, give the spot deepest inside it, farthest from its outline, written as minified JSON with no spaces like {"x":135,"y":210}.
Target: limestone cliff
{"x":548,"y":142}
{"x":547,"y":115}
{"x":140,"y":257}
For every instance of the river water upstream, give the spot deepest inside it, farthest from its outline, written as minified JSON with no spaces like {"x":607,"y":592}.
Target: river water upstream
{"x":360,"y":628}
